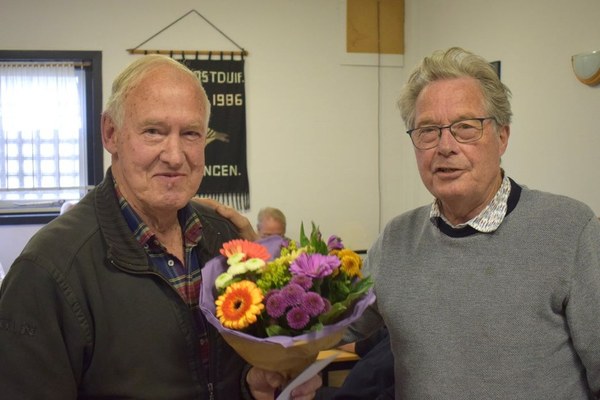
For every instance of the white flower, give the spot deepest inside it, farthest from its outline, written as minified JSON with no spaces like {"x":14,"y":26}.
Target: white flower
{"x":237,"y":269}
{"x":254,"y":264}
{"x":235,"y":258}
{"x":222,"y":280}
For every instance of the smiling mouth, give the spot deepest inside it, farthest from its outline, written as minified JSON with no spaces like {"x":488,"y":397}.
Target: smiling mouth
{"x":446,"y":169}
{"x":170,"y":175}
{"x":170,"y":179}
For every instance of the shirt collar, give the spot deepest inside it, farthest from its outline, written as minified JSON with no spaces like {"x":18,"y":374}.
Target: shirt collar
{"x":489,"y":219}
{"x":188,"y":219}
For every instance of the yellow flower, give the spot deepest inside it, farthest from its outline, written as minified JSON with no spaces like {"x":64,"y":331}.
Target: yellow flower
{"x":351,"y":262}
{"x":289,"y":256}
{"x":239,"y":306}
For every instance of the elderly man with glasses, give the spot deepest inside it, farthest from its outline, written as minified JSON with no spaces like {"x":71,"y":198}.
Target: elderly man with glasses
{"x":493,"y":290}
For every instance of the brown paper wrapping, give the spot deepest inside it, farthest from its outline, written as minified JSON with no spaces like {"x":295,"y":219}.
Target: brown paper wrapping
{"x":288,"y":361}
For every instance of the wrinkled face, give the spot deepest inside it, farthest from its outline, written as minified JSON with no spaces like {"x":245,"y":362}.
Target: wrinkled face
{"x":463,"y":175}
{"x":269,"y":227}
{"x":158,"y":152}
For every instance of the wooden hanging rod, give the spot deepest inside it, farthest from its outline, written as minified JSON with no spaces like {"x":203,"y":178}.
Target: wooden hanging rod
{"x":191,"y":53}
{"x":43,"y":63}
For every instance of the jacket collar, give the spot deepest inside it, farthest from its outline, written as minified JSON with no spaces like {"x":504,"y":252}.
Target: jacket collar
{"x":124,"y":249}
{"x":121,"y":244}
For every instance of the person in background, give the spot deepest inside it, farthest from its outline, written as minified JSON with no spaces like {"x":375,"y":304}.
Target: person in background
{"x":492,"y":291}
{"x":103,"y":301}
{"x":67,"y":205}
{"x":270,"y":221}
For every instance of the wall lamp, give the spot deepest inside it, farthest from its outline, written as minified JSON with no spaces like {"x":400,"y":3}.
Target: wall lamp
{"x":587,"y":67}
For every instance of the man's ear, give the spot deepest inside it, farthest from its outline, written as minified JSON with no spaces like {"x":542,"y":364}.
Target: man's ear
{"x":504,"y":134}
{"x":109,"y":134}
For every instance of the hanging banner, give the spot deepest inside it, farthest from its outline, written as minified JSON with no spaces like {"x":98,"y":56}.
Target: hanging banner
{"x":226,"y":174}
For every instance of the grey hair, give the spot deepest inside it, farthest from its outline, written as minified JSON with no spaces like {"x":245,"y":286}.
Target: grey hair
{"x":456,"y":63}
{"x":133,"y":74}
{"x":274,"y":213}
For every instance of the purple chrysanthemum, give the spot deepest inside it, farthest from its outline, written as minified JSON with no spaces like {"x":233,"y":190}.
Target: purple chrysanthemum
{"x":313,"y":303}
{"x":269,"y":294}
{"x":314,"y":265}
{"x":304,"y":281}
{"x":334,"y":243}
{"x":275,"y":305}
{"x":297,"y":318}
{"x":292,"y":294}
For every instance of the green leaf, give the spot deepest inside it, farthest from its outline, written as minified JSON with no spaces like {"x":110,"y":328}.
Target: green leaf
{"x":276,"y":330}
{"x":363,"y":285}
{"x":338,"y":309}
{"x":334,"y":312}
{"x":316,"y":327}
{"x":314,"y":235}
{"x":303,"y":239}
{"x":338,"y":291}
{"x":316,"y":240}
{"x":321,"y":248}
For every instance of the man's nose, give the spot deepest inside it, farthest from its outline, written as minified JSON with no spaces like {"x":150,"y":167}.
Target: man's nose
{"x":173,"y":150}
{"x":447,"y":140}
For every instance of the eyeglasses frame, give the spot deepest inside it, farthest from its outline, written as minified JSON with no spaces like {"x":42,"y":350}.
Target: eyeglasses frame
{"x":449,"y":127}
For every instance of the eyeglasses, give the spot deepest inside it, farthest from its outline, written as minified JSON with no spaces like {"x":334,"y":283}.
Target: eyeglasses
{"x":464,"y":131}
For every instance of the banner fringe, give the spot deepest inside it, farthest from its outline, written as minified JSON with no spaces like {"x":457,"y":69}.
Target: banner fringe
{"x":239,"y":201}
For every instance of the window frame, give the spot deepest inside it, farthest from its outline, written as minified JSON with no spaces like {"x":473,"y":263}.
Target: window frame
{"x":95,"y":153}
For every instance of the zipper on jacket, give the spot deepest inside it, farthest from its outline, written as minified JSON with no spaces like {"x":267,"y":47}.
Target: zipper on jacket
{"x":208,"y":373}
{"x":211,"y":393}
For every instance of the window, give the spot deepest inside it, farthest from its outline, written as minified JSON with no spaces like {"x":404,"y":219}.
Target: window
{"x":50,"y":142}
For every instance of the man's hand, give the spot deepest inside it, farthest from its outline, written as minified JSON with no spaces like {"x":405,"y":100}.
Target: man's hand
{"x":244,"y":226}
{"x":263,"y":385}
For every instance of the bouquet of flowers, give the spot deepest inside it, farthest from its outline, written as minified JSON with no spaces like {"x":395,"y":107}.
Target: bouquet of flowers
{"x":278,"y":302}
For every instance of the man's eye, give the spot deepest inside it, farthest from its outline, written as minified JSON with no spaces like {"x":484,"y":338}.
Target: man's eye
{"x":428,"y":130}
{"x":463,"y":125}
{"x":193,"y":135}
{"x":151,"y":131}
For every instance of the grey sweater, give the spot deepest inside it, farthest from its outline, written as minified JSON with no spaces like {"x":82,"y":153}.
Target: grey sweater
{"x":513,"y":314}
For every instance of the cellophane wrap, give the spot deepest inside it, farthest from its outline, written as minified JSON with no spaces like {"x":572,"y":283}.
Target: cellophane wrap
{"x":285,"y":354}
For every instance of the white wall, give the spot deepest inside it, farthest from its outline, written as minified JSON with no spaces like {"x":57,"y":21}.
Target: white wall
{"x":323,"y":141}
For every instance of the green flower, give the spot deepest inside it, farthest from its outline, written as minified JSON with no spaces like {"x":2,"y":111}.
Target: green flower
{"x":235,"y":258}
{"x":222,"y":280}
{"x":254,"y":264}
{"x":275,"y":276}
{"x":237,"y":269}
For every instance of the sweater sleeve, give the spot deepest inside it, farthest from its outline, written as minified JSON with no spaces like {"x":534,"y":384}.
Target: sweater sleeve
{"x":583,"y":303}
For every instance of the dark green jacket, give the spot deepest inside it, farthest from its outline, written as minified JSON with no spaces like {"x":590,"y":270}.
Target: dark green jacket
{"x":84,"y":316}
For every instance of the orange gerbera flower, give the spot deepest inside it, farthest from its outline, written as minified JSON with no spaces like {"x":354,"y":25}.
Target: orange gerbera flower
{"x":240,"y":305}
{"x":249,"y":249}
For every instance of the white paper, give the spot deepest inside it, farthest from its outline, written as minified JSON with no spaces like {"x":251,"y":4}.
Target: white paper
{"x":305,"y":375}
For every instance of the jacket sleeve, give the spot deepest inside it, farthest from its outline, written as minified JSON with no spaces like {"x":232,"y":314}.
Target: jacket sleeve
{"x":217,"y":230}
{"x":41,"y":334}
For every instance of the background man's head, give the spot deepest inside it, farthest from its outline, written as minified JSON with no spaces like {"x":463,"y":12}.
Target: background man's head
{"x":271,"y":221}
